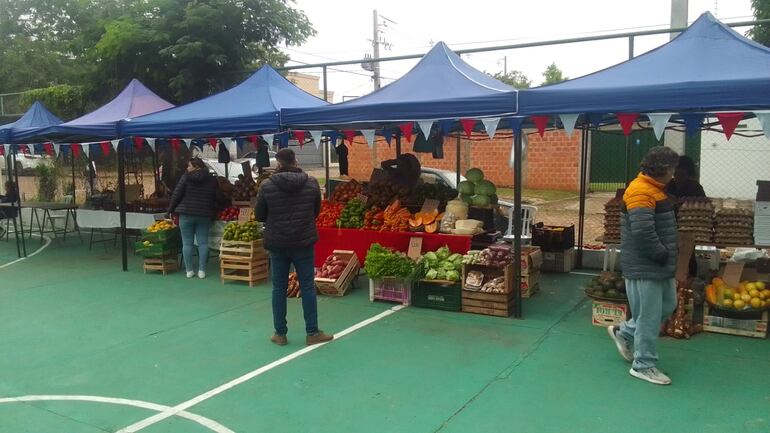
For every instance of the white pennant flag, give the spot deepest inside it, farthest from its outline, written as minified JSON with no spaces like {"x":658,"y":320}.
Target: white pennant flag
{"x":659,"y":121}
{"x":86,"y":148}
{"x":317,"y":137}
{"x":56,"y":148}
{"x":369,"y":136}
{"x":269,"y":139}
{"x":115,"y":144}
{"x":764,"y":120}
{"x":151,"y":143}
{"x":187,"y":142}
{"x":569,"y":121}
{"x":490,"y":125}
{"x":425,"y":126}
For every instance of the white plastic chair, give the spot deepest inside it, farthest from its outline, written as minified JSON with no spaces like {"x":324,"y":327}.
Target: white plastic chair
{"x":528,"y":214}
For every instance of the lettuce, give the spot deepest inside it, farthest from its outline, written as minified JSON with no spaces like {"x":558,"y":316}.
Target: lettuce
{"x":384,"y":262}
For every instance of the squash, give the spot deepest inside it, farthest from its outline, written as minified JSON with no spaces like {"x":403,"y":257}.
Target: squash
{"x":415,"y":222}
{"x":432,"y":227}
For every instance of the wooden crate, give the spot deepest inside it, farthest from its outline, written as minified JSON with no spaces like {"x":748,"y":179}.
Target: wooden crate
{"x":490,"y":304}
{"x":251,"y":271}
{"x":164,"y":265}
{"x":340,"y":286}
{"x":751,"y":325}
{"x":240,"y":250}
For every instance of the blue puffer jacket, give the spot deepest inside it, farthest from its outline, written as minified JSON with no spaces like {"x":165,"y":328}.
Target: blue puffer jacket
{"x":648,"y":231}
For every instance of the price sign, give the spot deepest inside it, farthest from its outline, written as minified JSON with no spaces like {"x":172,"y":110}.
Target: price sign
{"x":244,"y":215}
{"x":415,"y":248}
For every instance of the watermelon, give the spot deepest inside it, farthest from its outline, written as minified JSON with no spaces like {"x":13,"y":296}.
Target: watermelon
{"x":479,"y":200}
{"x":485,"y":187}
{"x":474,"y":175}
{"x":466,"y":188}
{"x":467,"y":198}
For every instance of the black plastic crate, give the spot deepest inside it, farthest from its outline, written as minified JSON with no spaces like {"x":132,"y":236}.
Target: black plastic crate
{"x":553,"y":238}
{"x":438,"y":295}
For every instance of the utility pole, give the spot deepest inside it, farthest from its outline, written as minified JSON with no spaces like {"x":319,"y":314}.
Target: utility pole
{"x":678,"y":15}
{"x":505,"y":65}
{"x":376,"y":50}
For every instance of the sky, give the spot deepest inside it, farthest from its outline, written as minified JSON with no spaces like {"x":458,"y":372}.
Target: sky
{"x":345,"y":29}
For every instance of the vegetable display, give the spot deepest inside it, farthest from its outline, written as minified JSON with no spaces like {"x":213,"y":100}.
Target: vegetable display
{"x":747,"y":296}
{"x":384,"y":262}
{"x":477,"y":191}
{"x":374,"y":219}
{"x":346,"y":192}
{"x":330,"y":213}
{"x":332,"y":268}
{"x":497,"y":256}
{"x":396,"y":218}
{"x":440,"y":192}
{"x":352,"y":216}
{"x":441,"y":265}
{"x":425,"y":221}
{"x":246,"y":232}
{"x":607,"y":287}
{"x":229,"y":214}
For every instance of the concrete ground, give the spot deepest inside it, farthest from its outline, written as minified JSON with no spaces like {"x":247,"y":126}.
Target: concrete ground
{"x":89,"y":348}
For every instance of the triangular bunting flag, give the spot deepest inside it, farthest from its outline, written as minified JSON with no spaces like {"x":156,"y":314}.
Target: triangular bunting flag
{"x":300,"y":137}
{"x":333,"y":136}
{"x":75,"y":148}
{"x":693,"y":122}
{"x":729,"y":122}
{"x":86,"y":147}
{"x":349,"y":135}
{"x":387,"y":134}
{"x":105,"y":145}
{"x":187,"y":142}
{"x":30,"y":149}
{"x":568,"y":121}
{"x":213,"y":142}
{"x":516,"y":123}
{"x":490,"y":125}
{"x":659,"y":122}
{"x":253,"y":139}
{"x":368,"y":136}
{"x":764,"y":120}
{"x":151,"y":143}
{"x":425,"y":126}
{"x":56,"y":148}
{"x":627,"y":121}
{"x":176,"y":144}
{"x":446,"y":126}
{"x":268,"y":139}
{"x":468,"y":125}
{"x":406,"y":131}
{"x":48,"y":149}
{"x":317,"y":137}
{"x":115,"y":144}
{"x":541,"y":122}
{"x":138,"y":143}
{"x":283,"y":140}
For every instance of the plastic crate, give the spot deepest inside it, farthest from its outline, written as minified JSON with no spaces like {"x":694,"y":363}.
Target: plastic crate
{"x":553,"y":238}
{"x":162,"y":235}
{"x":438,"y":295}
{"x":391,"y":289}
{"x":159,"y":250}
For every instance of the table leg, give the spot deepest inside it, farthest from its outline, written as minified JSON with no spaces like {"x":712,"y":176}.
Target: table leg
{"x":75,"y":222}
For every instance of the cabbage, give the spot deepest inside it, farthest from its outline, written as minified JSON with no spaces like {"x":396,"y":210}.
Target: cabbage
{"x":485,"y":187}
{"x":453,"y":257}
{"x":441,"y":274}
{"x":474,"y":175}
{"x":431,"y":258}
{"x":453,"y":276}
{"x":431,"y":274}
{"x":480,"y":201}
{"x":466,"y":187}
{"x":458,"y":262}
{"x":443,"y":253}
{"x":447,"y":265}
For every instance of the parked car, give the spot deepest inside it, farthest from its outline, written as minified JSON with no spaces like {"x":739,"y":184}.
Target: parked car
{"x":234,"y":168}
{"x":29,"y":162}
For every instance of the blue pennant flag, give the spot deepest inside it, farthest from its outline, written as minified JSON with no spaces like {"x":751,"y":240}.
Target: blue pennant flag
{"x":446,"y":126}
{"x":693,"y":122}
{"x":387,"y":133}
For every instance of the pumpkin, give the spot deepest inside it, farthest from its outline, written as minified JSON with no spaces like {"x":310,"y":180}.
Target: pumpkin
{"x":415,"y":222}
{"x":432,"y":227}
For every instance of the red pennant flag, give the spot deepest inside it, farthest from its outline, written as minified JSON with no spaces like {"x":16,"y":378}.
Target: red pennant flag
{"x":48,"y":148}
{"x":75,"y":150}
{"x":468,"y":125}
{"x":300,"y":137}
{"x":213,"y":143}
{"x":2,"y":150}
{"x":627,"y":121}
{"x":406,"y":130}
{"x":729,"y":122}
{"x":349,"y":135}
{"x":541,"y":122}
{"x":138,"y":143}
{"x":253,"y":139}
{"x":176,"y":144}
{"x":106,"y":146}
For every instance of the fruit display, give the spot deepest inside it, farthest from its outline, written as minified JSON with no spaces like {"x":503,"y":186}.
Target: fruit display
{"x":346,"y":192}
{"x":229,"y":214}
{"x":611,"y":287}
{"x":159,"y":226}
{"x":330,"y":213}
{"x":748,"y":296}
{"x":440,"y":265}
{"x":696,"y":216}
{"x":425,"y":221}
{"x":612,"y":220}
{"x":244,"y":190}
{"x":442,"y":193}
{"x":352,"y":216}
{"x":498,"y":256}
{"x":384,"y":262}
{"x":396,"y":218}
{"x":477,"y":281}
{"x":374,"y":218}
{"x":734,"y":227}
{"x":246,"y":232}
{"x":477,"y":191}
{"x":332,"y":268}
{"x":385,"y":191}
{"x":293,"y":288}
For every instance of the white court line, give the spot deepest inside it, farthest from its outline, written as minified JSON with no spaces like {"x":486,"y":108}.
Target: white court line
{"x":248,"y":376}
{"x":206,"y":422}
{"x":45,"y":245}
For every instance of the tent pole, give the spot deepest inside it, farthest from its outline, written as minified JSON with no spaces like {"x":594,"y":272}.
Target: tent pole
{"x":517,"y":151}
{"x":90,"y":174}
{"x":327,"y":159}
{"x":628,"y":160}
{"x":72,"y":157}
{"x":15,"y":175}
{"x":9,"y":177}
{"x":583,"y":191}
{"x":398,"y":145}
{"x":457,"y":157}
{"x":122,"y":204}
{"x":326,"y":91}
{"x":18,"y":204}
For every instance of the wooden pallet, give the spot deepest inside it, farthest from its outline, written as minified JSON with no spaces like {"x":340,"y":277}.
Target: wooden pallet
{"x":239,"y":250}
{"x":164,"y":265}
{"x":340,"y":286}
{"x":251,"y":271}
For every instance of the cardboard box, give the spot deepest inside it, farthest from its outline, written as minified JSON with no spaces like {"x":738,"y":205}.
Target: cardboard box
{"x":559,"y":262}
{"x":529,"y":284}
{"x":746,"y":325}
{"x":606,"y":313}
{"x":531,"y":260}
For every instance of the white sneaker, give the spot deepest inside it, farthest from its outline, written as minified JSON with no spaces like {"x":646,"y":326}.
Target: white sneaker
{"x":621,"y":344}
{"x":190,"y":274}
{"x":201,"y":274}
{"x":652,"y":375}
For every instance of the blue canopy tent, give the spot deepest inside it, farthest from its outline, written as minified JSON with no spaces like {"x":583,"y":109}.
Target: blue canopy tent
{"x":440,"y":87}
{"x":251,"y":107}
{"x":708,"y":68}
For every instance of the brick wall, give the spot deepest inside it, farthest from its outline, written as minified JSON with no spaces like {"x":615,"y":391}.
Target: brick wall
{"x":552,"y":162}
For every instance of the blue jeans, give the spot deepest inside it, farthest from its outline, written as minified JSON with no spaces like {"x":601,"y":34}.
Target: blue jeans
{"x":193,"y":228}
{"x":303,"y":260}
{"x":652,"y":302}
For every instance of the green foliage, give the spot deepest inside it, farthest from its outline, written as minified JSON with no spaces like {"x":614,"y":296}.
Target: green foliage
{"x":517,"y":79}
{"x":63,"y":99}
{"x":760,"y":33}
{"x":46,"y":182}
{"x":553,"y":75}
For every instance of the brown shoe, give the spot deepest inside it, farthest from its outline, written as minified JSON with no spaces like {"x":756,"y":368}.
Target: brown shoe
{"x":279,"y":340}
{"x":318,"y":337}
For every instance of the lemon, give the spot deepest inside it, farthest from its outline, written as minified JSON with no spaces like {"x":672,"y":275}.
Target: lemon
{"x":754,"y":293}
{"x":739,"y":304}
{"x":756,"y":303}
{"x":728,"y":293}
{"x":736,"y":296}
{"x":751,"y":286}
{"x":760,"y":285}
{"x":727,"y":303}
{"x":746,"y":297}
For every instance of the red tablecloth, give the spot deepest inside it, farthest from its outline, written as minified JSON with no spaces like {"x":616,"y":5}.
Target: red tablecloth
{"x":331,"y":239}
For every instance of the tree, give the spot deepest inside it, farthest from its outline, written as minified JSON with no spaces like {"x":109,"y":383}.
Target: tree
{"x":553,"y":75}
{"x":761,"y":33}
{"x":64,"y":100}
{"x":516,"y":79}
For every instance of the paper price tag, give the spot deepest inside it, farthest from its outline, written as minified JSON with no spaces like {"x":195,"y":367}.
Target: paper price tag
{"x":244,"y":215}
{"x":415,"y":248}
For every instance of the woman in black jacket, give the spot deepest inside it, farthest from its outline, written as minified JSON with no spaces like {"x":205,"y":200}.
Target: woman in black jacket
{"x":195,"y":200}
